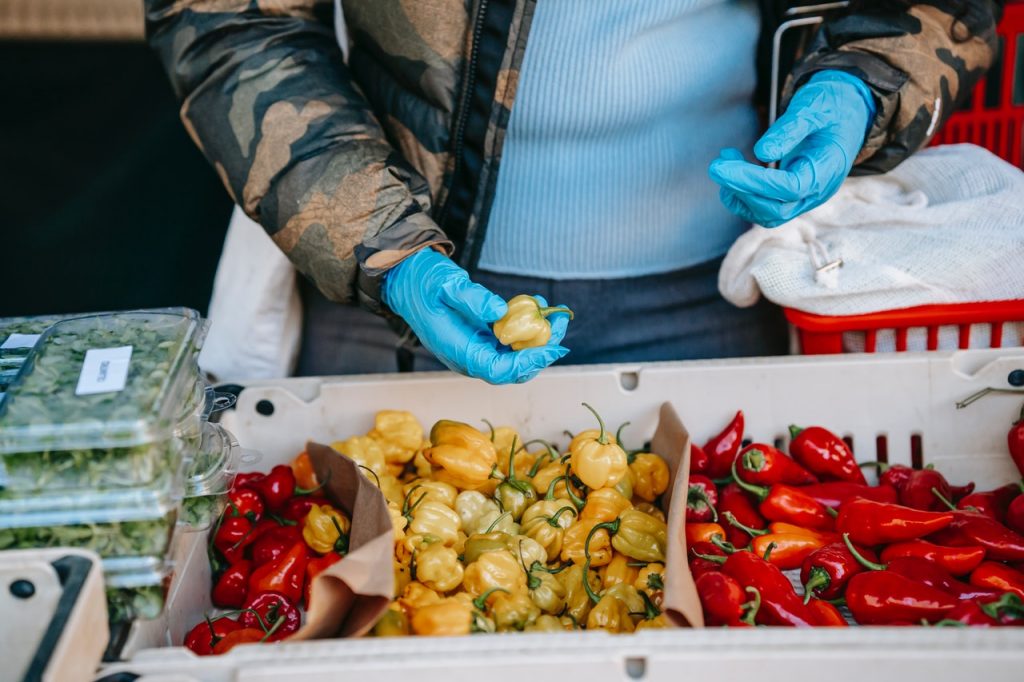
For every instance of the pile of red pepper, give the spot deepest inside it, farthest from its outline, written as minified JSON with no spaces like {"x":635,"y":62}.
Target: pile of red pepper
{"x":274,"y":537}
{"x":912,"y":550}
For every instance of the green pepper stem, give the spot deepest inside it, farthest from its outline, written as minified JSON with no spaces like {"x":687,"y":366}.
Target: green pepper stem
{"x":731,"y":519}
{"x":753,"y":460}
{"x":538,"y":566}
{"x":758,"y":491}
{"x":944,"y":623}
{"x":612,"y":527}
{"x":372,"y":473}
{"x":490,"y":426}
{"x":550,"y":494}
{"x":309,"y":491}
{"x":553,"y":519}
{"x":602,"y":437}
{"x":696,"y":493}
{"x":618,"y":432}
{"x":819,"y":578}
{"x":709,"y":557}
{"x":496,"y":521}
{"x":1008,"y":604}
{"x":794,"y":431}
{"x":655,"y":582}
{"x":273,"y":628}
{"x":881,"y":466}
{"x":481,"y":601}
{"x":650,"y":610}
{"x":768,"y":551}
{"x":751,"y":607}
{"x":943,"y":499}
{"x":552,"y":309}
{"x":831,"y":511}
{"x":512,"y":461}
{"x":861,"y":559}
{"x":721,"y":544}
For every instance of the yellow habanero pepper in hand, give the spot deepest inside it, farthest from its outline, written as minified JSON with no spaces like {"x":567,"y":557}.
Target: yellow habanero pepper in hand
{"x":651,"y":476}
{"x":326,"y":529}
{"x":525,"y":325}
{"x":466,"y":457}
{"x":598,"y":460}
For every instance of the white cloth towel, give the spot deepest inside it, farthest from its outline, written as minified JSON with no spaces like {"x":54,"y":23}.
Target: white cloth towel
{"x":945,"y":226}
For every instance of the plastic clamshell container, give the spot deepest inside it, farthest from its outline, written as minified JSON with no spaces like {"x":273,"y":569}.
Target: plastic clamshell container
{"x":208,"y":477}
{"x":135,"y":595}
{"x":54,"y":435}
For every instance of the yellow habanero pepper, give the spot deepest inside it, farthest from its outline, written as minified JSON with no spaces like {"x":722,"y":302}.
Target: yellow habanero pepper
{"x":438,"y":567}
{"x":577,"y":600}
{"x":625,"y":484}
{"x":503,"y":437}
{"x":391,"y":487}
{"x":326,"y":529}
{"x":446,"y":618}
{"x":512,"y":494}
{"x":465,"y":455}
{"x":403,"y":576}
{"x":398,"y":521}
{"x":525,"y":325}
{"x":415,"y":596}
{"x":472,"y":506}
{"x":422,"y":466}
{"x":651,"y":474}
{"x":434,"y":490}
{"x":650,"y":510}
{"x":527,"y":550}
{"x":639,"y":604}
{"x":598,"y":460}
{"x":481,"y":543}
{"x":434,"y":518}
{"x":394,"y":623}
{"x":546,"y":591}
{"x":513,"y":611}
{"x":604,"y":504}
{"x":494,"y":570}
{"x":545,"y":522}
{"x":399,"y":434}
{"x":640,"y":536}
{"x":651,"y":579}
{"x":618,"y":571}
{"x":364,"y":451}
{"x":547,"y":476}
{"x":574,"y":544}
{"x":546,"y":623}
{"x":659,"y":622}
{"x":610,"y":614}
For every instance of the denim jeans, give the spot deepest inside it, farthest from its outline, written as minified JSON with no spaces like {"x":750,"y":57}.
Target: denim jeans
{"x":674,"y":316}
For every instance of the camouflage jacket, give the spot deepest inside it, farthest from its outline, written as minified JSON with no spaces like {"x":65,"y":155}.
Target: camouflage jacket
{"x":352,"y":167}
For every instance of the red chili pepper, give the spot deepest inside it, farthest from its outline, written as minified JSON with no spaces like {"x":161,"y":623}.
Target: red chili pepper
{"x":264,"y":610}
{"x":277,"y":487}
{"x":827,"y":614}
{"x":723,"y":448}
{"x":1015,"y":442}
{"x":882,"y":597}
{"x":246,"y":502}
{"x":892,"y":475}
{"x":699,"y":564}
{"x":917,"y":491}
{"x":835,"y":493}
{"x":993,"y":503}
{"x":231,"y":587}
{"x":955,"y":560}
{"x":968,"y":613}
{"x":825,"y":454}
{"x":763,"y":464}
{"x":924,"y":572}
{"x":1015,"y":514}
{"x":232,"y":536}
{"x":701,"y":499}
{"x":786,"y":550}
{"x":876,"y":523}
{"x":958,"y":492}
{"x":273,"y":543}
{"x":243,"y":480}
{"x":826,"y":571}
{"x":233,"y":639}
{"x":786,"y":503}
{"x":780,"y":604}
{"x":297,"y":508}
{"x":315,"y":567}
{"x":734,"y":500}
{"x":999,"y":577}
{"x":725,"y":602}
{"x":974,"y":528}
{"x":699,"y":459}
{"x":203,"y":637}
{"x":284,"y":575}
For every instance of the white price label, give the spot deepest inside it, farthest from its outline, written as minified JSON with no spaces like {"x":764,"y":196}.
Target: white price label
{"x":105,"y":370}
{"x":20,"y":341}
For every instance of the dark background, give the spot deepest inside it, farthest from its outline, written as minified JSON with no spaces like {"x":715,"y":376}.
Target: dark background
{"x":105,"y":202}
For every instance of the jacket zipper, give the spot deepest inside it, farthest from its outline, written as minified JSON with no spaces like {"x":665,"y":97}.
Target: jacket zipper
{"x":467,"y":93}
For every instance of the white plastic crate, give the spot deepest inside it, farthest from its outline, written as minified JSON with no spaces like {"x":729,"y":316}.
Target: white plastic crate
{"x":908,"y":400}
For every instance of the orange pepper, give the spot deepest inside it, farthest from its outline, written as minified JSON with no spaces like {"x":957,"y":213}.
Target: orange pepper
{"x":302,"y":468}
{"x":790,"y":549}
{"x":703,"y":532}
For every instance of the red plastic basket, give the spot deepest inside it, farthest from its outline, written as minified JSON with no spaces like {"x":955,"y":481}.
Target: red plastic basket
{"x":994,"y":119}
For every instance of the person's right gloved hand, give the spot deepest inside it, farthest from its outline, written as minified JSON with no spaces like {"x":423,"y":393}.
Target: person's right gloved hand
{"x":451,"y":316}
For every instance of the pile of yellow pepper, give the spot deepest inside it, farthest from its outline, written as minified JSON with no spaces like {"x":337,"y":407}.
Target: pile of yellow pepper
{"x":493,"y":536}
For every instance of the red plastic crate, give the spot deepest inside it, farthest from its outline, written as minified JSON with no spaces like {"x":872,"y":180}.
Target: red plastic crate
{"x":1000,"y":129}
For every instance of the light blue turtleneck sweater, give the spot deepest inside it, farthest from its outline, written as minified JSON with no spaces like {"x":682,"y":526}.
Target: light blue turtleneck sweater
{"x":621,"y":105}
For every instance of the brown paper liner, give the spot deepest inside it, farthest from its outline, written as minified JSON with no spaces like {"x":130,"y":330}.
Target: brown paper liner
{"x":671,"y":440}
{"x":348,"y":598}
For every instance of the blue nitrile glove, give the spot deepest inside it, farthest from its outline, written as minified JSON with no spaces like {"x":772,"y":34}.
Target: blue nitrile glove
{"x":815,"y":141}
{"x":452,"y":318}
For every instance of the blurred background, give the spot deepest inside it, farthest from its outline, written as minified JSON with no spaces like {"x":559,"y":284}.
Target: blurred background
{"x":107,"y":203}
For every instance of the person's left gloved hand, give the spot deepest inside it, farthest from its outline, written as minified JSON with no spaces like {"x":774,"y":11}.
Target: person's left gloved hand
{"x":816,"y":141}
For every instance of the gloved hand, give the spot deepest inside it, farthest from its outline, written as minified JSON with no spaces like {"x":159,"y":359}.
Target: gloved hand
{"x":816,"y":140}
{"x":452,"y":316}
